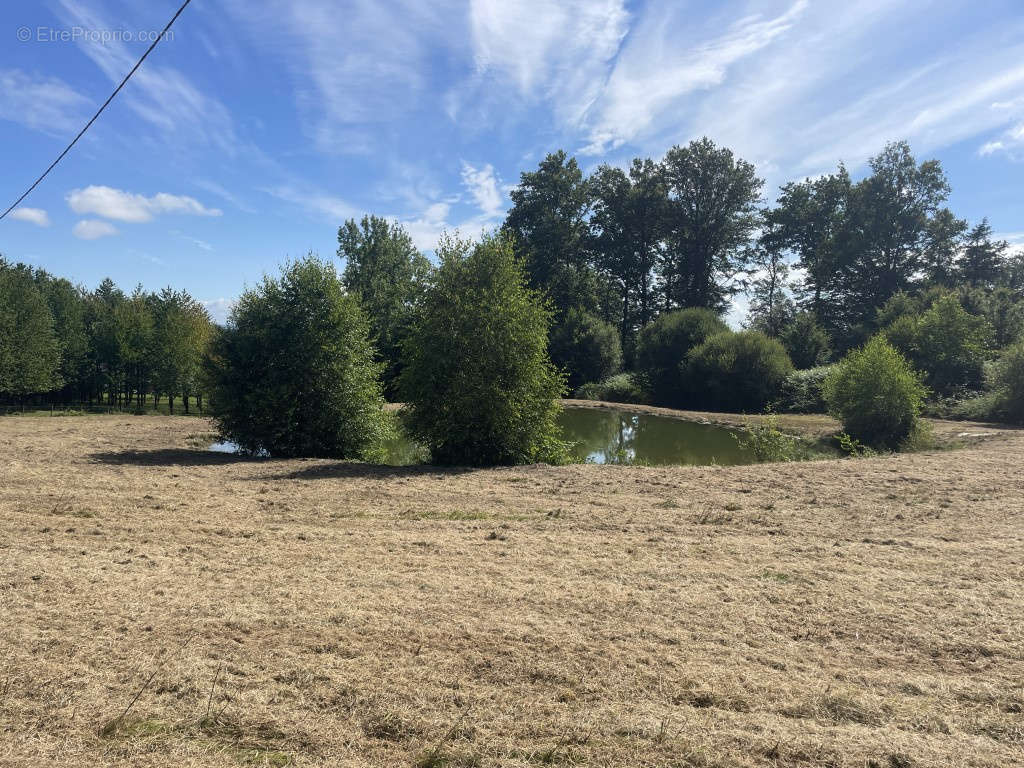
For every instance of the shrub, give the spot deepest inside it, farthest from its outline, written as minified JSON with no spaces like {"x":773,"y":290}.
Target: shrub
{"x":666,"y":342}
{"x":806,"y":342}
{"x":478,"y":384}
{"x":585,"y":346}
{"x":739,"y":372}
{"x":946,"y":342}
{"x":293,"y":372}
{"x":769,"y":443}
{"x":1005,"y":400}
{"x":621,"y":388}
{"x":801,"y":391}
{"x":875,"y":394}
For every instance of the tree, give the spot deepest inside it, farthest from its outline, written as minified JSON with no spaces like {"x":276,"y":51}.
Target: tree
{"x":628,"y":226}
{"x":29,"y":349}
{"x":712,"y":214}
{"x":478,"y":384}
{"x":548,"y":224}
{"x":982,"y":261}
{"x":807,"y":221}
{"x":943,"y":240}
{"x":806,"y":342}
{"x":386,"y":271}
{"x":586,"y":347}
{"x":887,"y":229}
{"x":664,"y":345}
{"x":293,"y":372}
{"x":771,"y":309}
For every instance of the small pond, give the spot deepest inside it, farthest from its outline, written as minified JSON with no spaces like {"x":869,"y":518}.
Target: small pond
{"x":613,"y":436}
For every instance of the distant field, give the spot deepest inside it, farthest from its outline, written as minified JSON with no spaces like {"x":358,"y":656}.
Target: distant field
{"x":162,"y":605}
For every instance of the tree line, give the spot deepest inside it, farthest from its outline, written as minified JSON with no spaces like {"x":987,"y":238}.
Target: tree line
{"x":61,"y":343}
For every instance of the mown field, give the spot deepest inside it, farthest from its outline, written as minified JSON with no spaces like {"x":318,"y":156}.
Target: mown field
{"x":161,"y":605}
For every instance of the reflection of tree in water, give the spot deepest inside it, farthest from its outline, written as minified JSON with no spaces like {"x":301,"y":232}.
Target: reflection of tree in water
{"x":609,"y":437}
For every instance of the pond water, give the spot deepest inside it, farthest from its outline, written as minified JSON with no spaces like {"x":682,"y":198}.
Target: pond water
{"x":613,"y":436}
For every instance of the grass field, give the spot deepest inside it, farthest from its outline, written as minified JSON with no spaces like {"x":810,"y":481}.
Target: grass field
{"x":161,"y":605}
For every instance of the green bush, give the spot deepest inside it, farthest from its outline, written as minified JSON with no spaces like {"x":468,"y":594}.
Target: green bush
{"x":738,"y":372}
{"x":801,"y":392}
{"x":769,"y":443}
{"x":585,"y":346}
{"x":478,"y":384}
{"x":1005,"y":399}
{"x":806,"y":342}
{"x":666,"y":342}
{"x":945,"y":342}
{"x":875,"y":394}
{"x":620,"y":388}
{"x":293,"y":372}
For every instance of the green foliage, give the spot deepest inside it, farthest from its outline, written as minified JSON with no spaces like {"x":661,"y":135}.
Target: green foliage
{"x":388,"y":274}
{"x":1005,"y":399}
{"x":769,"y":443}
{"x":875,"y":394}
{"x":738,"y":372}
{"x":585,"y":346}
{"x":293,"y":373}
{"x":806,"y":342}
{"x":853,"y":447}
{"x":620,"y":388}
{"x":664,"y":345}
{"x":29,"y":348}
{"x":478,"y":384}
{"x":803,"y":391}
{"x":947,"y":343}
{"x":713,"y":211}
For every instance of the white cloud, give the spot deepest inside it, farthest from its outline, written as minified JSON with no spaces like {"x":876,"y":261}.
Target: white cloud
{"x":1011,"y":140}
{"x":92,"y":229}
{"x":36,"y":216}
{"x":120,"y":205}
{"x":325,"y":205}
{"x":484,"y":188}
{"x":548,"y":49}
{"x":41,"y":103}
{"x":160,"y":95}
{"x":656,"y":70}
{"x":219,"y":309}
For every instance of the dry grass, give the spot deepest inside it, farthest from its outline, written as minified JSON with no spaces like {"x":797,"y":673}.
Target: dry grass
{"x":839,"y":613}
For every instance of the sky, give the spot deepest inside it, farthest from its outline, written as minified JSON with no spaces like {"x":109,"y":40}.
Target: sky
{"x":254,"y":130}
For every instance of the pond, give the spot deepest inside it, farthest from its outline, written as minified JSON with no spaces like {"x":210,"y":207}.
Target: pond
{"x":614,"y":436}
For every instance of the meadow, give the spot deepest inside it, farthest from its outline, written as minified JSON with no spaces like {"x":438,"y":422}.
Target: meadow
{"x":164,"y":605}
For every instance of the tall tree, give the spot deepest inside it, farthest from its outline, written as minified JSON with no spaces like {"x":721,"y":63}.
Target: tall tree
{"x":628,"y":226}
{"x":386,"y":271}
{"x":29,"y":350}
{"x":770,"y":306}
{"x":887,"y":232}
{"x":806,"y":222}
{"x":548,"y":225}
{"x":712,"y":214}
{"x":943,"y":242}
{"x":983,"y":260}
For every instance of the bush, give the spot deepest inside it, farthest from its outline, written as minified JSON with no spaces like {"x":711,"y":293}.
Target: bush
{"x":740,"y":372}
{"x":293,"y":372}
{"x":666,"y":342}
{"x":1005,"y":399}
{"x":806,"y":342}
{"x":947,"y":343}
{"x":801,"y":392}
{"x":478,"y":384}
{"x":585,"y":346}
{"x":875,"y":394}
{"x":769,"y":443}
{"x":621,"y":388}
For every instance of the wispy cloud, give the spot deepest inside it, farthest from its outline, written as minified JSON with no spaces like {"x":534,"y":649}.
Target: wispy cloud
{"x":315,"y":201}
{"x":41,"y":103}
{"x":93,"y":229}
{"x":36,"y":216}
{"x":219,"y":309}
{"x":483,"y":186}
{"x":120,"y":205}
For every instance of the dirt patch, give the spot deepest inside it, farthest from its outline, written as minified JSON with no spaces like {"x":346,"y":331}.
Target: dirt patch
{"x":843,"y":613}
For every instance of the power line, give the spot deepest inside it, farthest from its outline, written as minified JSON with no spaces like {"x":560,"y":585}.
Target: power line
{"x":98,"y":112}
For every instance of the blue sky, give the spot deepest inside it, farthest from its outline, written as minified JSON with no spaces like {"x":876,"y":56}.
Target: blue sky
{"x":261,"y":125}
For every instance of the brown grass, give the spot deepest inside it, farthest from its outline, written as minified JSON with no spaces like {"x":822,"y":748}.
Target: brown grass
{"x":837,"y":613}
